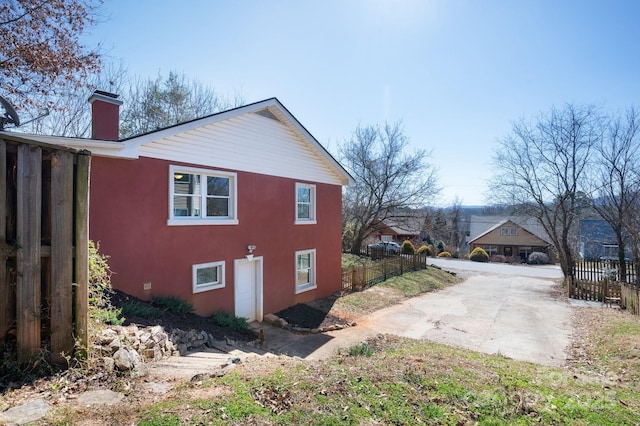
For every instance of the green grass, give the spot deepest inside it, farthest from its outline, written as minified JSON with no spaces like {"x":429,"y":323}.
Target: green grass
{"x":392,"y":380}
{"x":349,"y":260}
{"x":405,"y":382}
{"x":394,"y":290}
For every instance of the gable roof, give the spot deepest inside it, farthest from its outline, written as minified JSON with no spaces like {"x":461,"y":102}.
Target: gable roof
{"x":526,"y":223}
{"x":262,"y":137}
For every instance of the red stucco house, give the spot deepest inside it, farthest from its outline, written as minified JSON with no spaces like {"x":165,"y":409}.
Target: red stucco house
{"x":237,"y":211}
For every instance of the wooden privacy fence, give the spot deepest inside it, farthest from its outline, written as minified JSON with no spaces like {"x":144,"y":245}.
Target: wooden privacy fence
{"x":360,"y":277}
{"x":44,"y":236}
{"x":630,"y":298}
{"x":597,"y":291}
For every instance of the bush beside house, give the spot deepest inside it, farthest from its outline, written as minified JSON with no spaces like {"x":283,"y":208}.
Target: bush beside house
{"x":479,"y":255}
{"x":537,"y":258}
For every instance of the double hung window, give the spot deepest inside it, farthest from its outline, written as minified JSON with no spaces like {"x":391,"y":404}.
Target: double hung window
{"x":305,"y":270}
{"x":305,"y":203}
{"x":202,"y":197}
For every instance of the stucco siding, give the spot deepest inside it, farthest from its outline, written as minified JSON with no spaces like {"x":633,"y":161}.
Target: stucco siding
{"x":129,"y":212}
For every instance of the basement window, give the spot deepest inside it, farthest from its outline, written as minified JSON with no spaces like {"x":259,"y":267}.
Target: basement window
{"x":208,"y":276}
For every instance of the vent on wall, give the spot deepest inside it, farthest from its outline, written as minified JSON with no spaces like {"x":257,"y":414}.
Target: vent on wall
{"x":266,"y":113}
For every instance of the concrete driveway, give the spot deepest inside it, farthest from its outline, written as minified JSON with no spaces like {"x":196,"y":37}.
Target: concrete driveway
{"x":508,"y":311}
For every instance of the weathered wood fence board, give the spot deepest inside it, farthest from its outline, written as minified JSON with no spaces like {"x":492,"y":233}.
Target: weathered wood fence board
{"x":81,"y":266}
{"x":7,"y":309}
{"x":630,"y":298}
{"x":596,"y":291}
{"x":44,"y":192}
{"x":61,"y":252}
{"x":28,"y":289}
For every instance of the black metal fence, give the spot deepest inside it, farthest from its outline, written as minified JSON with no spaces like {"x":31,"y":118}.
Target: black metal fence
{"x":360,"y":277}
{"x":598,"y":270}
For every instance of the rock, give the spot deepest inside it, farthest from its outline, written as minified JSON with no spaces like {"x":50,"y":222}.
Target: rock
{"x":108,"y":364}
{"x":100,"y":397}
{"x":270,"y":319}
{"x":27,"y":413}
{"x":281,"y":322}
{"x":106,"y":336}
{"x":115,"y":345}
{"x":125,"y":360}
{"x":144,"y":338}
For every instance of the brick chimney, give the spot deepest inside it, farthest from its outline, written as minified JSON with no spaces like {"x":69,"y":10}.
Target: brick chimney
{"x":105,"y":116}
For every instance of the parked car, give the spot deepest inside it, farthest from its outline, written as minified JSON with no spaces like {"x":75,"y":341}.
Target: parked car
{"x":387,"y":246}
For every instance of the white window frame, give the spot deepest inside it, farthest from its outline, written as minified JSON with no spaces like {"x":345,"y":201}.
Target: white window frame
{"x":509,"y":231}
{"x":300,"y":288}
{"x":199,"y":288}
{"x":232,"y":219}
{"x":311,"y":220}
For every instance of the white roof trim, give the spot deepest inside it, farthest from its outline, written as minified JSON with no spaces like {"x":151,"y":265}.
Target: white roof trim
{"x":97,"y":147}
{"x":129,"y":148}
{"x":135,"y":142}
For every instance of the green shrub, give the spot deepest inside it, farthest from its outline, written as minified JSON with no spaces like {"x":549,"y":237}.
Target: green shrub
{"x":361,"y":349}
{"x":407,"y":247}
{"x":142,"y":310}
{"x":425,"y":249}
{"x":172,"y":304}
{"x":100,"y":291}
{"x":479,"y":255}
{"x":444,"y":254}
{"x":227,"y":319}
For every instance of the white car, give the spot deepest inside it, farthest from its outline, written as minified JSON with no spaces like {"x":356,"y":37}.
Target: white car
{"x":388,"y":246}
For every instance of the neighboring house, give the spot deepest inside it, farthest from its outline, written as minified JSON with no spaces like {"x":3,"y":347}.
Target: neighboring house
{"x":238,"y":211}
{"x":398,"y":230}
{"x":598,"y":241}
{"x":511,"y":237}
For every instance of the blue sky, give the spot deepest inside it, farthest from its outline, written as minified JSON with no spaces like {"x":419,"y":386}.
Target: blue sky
{"x":457,"y":73}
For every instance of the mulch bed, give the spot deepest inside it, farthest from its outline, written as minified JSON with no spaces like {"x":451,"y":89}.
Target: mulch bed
{"x":171,"y":321}
{"x":305,"y":316}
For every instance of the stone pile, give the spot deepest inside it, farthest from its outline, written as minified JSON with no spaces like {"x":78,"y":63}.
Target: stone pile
{"x":127,"y":348}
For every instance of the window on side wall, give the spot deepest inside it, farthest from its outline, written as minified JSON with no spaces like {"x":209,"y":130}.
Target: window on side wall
{"x":202,"y":197}
{"x":208,"y":276}
{"x":305,"y":270}
{"x":305,"y":204}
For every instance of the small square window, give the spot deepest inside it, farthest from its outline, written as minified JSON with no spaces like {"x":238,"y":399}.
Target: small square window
{"x":208,"y":276}
{"x":305,"y":270}
{"x":305,"y":204}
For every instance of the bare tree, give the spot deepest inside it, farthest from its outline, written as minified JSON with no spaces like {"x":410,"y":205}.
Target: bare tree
{"x":618,"y":179}
{"x":544,"y":166}
{"x":75,"y":118}
{"x":41,"y":53}
{"x":161,"y":102}
{"x":388,"y":182}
